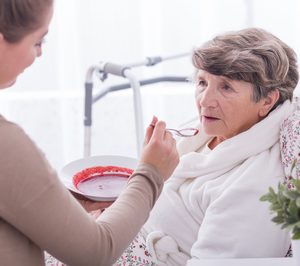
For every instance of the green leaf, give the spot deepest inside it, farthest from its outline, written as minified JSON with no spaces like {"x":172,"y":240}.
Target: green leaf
{"x":297,"y":225}
{"x":296,"y":183}
{"x":278,"y":220}
{"x":293,"y":210}
{"x":298,"y":202}
{"x":291,"y":194}
{"x":265,"y":197}
{"x":285,"y":204}
{"x":296,"y":235}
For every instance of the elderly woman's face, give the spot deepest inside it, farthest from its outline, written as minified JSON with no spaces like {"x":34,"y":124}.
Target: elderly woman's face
{"x":225,"y":106}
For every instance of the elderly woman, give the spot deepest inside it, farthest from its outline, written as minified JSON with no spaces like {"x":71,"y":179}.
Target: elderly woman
{"x":210,"y":207}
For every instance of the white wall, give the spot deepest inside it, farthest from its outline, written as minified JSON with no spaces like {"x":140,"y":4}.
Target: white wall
{"x":48,"y":98}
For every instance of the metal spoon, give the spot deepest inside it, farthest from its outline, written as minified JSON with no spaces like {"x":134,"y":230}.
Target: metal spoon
{"x":184,"y":132}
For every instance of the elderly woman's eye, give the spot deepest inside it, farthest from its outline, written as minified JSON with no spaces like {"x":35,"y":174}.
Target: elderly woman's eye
{"x":226,"y":87}
{"x":201,"y":83}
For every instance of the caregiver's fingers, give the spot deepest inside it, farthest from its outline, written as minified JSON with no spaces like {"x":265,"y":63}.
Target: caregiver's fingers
{"x":150,"y":129}
{"x":161,"y":151}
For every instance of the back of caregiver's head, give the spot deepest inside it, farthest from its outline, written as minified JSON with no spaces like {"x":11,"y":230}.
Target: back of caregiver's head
{"x":21,"y":17}
{"x":252,"y":55}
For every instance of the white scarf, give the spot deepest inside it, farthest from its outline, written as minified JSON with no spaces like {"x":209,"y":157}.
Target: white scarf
{"x":250,"y":159}
{"x":233,"y":151}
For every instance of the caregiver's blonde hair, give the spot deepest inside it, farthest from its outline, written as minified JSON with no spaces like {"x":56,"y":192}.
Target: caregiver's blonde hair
{"x":252,"y":55}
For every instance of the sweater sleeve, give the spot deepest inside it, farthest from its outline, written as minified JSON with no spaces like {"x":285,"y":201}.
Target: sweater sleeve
{"x":37,"y":205}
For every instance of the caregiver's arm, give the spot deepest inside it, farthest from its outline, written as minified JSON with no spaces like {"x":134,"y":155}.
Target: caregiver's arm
{"x":39,"y":206}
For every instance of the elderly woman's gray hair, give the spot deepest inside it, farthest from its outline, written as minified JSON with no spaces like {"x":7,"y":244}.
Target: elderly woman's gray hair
{"x":252,"y":55}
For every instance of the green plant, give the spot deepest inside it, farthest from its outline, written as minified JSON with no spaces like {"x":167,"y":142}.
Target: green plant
{"x":285,"y":203}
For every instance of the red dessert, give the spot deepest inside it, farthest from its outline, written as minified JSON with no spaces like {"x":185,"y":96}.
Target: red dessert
{"x":98,"y":171}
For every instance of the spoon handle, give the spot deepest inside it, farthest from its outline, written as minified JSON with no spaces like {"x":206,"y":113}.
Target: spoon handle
{"x":184,"y":132}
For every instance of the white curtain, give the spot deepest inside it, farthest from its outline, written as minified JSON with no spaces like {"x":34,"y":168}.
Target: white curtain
{"x":47,"y":100}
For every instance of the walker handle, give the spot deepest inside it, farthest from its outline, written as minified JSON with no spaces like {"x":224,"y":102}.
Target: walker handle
{"x":114,"y":69}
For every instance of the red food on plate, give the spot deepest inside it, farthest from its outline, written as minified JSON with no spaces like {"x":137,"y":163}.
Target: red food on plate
{"x":98,"y":171}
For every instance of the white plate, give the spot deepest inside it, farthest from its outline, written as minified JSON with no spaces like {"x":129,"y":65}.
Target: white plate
{"x":67,"y":173}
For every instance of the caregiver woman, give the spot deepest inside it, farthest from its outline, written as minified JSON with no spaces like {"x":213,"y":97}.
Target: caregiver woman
{"x":210,"y":206}
{"x":36,"y":211}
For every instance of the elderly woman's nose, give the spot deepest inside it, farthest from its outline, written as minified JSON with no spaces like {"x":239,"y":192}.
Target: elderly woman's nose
{"x":208,"y":97}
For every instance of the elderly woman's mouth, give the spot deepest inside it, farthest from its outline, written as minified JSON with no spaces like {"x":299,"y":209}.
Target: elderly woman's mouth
{"x":209,"y":118}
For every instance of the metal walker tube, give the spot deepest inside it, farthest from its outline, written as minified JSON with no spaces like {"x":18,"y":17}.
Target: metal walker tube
{"x":118,"y":70}
{"x":105,"y":68}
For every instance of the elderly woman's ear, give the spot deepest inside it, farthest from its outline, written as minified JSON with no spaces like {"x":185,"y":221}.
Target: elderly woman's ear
{"x":268,"y":102}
